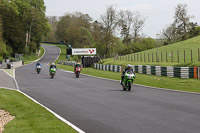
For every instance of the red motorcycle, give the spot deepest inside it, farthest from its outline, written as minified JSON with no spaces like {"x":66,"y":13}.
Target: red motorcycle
{"x":77,"y":71}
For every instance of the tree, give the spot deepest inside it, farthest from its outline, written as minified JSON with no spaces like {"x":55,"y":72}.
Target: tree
{"x":195,"y":30}
{"x":85,"y":38}
{"x":170,"y":33}
{"x":109,"y":21}
{"x":2,"y":44}
{"x":138,"y":24}
{"x":51,"y":36}
{"x":126,"y":23}
{"x":24,"y":24}
{"x":182,"y":20}
{"x":68,"y":28}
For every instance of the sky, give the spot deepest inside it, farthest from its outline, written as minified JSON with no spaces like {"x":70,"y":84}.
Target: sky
{"x":159,"y":13}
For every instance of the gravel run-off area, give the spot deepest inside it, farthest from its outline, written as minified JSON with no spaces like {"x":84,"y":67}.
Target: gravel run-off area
{"x":5,"y":117}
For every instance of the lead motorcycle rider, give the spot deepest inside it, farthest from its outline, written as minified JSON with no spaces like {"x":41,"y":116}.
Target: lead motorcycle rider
{"x":38,"y":64}
{"x":127,"y":68}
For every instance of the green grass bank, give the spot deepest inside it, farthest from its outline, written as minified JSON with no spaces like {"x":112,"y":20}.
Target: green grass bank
{"x":169,"y":55}
{"x":29,"y":116}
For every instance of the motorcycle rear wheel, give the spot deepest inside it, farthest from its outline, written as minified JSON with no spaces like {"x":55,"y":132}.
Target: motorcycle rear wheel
{"x":77,"y":75}
{"x":38,"y":71}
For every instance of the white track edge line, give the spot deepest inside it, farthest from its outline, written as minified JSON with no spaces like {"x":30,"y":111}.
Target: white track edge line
{"x":56,"y":115}
{"x":58,"y":55}
{"x":7,"y":73}
{"x":7,"y":88}
{"x":151,"y":87}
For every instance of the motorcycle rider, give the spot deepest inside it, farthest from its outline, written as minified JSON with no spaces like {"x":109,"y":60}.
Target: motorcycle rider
{"x":77,"y":65}
{"x":127,"y":68}
{"x":38,"y":64}
{"x":53,"y":65}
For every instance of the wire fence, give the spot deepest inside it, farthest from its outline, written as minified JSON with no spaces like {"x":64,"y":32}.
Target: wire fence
{"x":179,"y":56}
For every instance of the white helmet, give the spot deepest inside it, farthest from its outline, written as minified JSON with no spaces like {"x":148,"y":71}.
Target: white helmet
{"x":128,"y":65}
{"x":53,"y":63}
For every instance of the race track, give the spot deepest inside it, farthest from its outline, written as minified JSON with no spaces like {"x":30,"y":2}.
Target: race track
{"x":100,"y":106}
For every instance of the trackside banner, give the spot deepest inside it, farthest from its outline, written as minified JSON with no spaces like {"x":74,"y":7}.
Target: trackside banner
{"x":84,"y":51}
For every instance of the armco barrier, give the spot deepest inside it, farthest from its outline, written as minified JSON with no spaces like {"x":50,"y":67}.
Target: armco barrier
{"x":169,"y":71}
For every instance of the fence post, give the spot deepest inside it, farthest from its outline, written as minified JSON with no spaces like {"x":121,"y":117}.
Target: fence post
{"x":157,"y":57}
{"x":131,"y":57}
{"x":184,"y":57}
{"x":128,"y":57}
{"x":166,"y":57}
{"x":178,"y":56}
{"x":172,"y":56}
{"x":137,"y":58}
{"x":134,"y":56}
{"x":152,"y":57}
{"x":191,"y":56}
{"x":161,"y":57}
{"x":144,"y":58}
{"x":140,"y":57}
{"x":148,"y":58}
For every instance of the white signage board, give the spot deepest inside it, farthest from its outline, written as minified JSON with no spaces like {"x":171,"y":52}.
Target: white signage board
{"x":84,"y":51}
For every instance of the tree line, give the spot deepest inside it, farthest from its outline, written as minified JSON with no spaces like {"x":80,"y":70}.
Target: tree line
{"x":116,"y":32}
{"x":22,"y":26}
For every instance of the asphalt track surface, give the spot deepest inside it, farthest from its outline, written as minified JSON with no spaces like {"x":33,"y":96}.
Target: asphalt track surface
{"x":100,"y":106}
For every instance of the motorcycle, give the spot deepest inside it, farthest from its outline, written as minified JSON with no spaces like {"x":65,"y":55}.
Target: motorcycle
{"x":38,"y":69}
{"x":128,"y":79}
{"x":77,"y":71}
{"x":52,"y":72}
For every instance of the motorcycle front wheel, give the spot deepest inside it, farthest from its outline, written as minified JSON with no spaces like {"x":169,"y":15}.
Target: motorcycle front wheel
{"x":129,"y":86}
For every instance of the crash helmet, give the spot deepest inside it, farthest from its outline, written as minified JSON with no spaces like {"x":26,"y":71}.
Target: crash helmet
{"x":128,"y":66}
{"x":53,"y":63}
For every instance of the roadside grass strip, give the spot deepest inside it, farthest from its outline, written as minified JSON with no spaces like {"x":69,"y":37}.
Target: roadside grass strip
{"x":9,"y":72}
{"x":29,"y":116}
{"x":189,"y":85}
{"x":33,"y":57}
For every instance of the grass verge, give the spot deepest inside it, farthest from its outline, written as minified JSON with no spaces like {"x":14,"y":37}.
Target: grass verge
{"x":9,"y":71}
{"x":29,"y":116}
{"x":29,"y":58}
{"x":190,"y":85}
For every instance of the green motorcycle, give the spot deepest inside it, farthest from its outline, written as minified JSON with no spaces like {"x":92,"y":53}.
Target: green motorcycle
{"x":52,"y":72}
{"x":128,"y":79}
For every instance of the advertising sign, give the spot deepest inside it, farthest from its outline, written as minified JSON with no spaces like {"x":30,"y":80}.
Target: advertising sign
{"x":84,"y":51}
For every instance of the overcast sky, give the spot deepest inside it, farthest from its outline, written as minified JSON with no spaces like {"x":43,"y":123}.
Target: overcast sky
{"x":159,"y":13}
